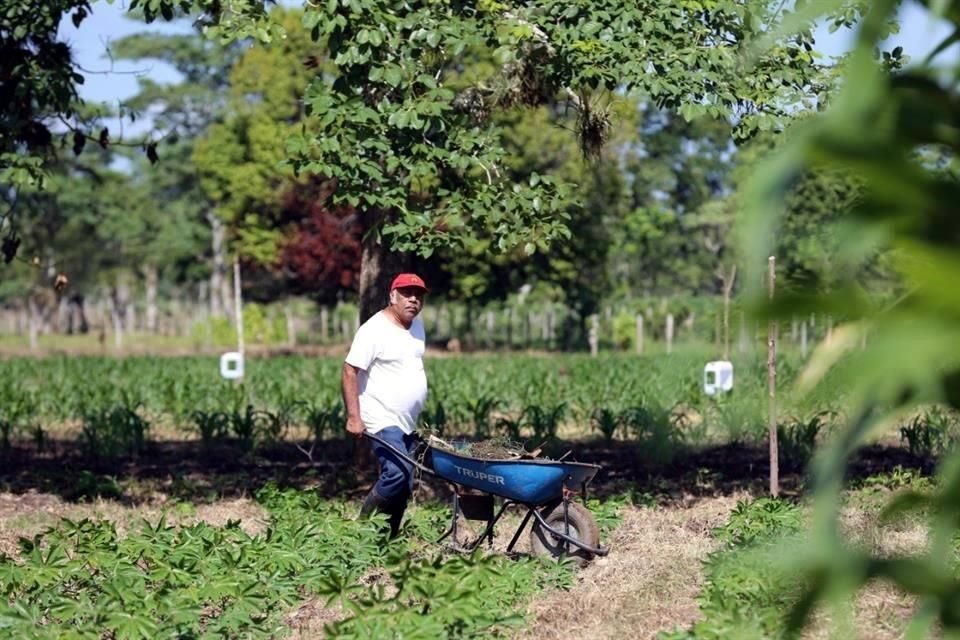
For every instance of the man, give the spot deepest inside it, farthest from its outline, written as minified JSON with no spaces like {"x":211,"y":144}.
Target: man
{"x":384,"y":389}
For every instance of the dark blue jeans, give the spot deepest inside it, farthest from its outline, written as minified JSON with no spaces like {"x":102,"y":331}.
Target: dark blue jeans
{"x":396,"y":475}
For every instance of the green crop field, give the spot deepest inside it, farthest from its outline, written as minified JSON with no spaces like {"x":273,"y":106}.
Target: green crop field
{"x":117,"y":405}
{"x":100,"y":431}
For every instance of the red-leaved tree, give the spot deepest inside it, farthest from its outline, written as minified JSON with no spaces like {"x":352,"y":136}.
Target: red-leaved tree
{"x":321,"y":258}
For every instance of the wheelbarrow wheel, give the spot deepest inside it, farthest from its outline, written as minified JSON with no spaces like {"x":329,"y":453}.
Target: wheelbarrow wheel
{"x":582,"y":528}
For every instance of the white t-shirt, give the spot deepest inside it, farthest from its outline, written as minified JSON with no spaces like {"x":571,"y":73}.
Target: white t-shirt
{"x":392,"y":382}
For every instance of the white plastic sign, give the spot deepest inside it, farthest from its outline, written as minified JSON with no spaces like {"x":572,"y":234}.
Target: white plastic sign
{"x":231,"y":365}
{"x":717,"y":377}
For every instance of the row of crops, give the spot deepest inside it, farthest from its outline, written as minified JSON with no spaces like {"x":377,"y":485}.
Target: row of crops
{"x":82,"y":579}
{"x":114,"y":407}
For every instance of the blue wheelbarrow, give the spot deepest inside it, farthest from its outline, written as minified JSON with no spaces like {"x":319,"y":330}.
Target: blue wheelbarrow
{"x":545,"y":488}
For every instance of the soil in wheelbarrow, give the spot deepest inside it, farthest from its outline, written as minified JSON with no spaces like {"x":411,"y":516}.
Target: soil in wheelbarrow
{"x":491,"y":449}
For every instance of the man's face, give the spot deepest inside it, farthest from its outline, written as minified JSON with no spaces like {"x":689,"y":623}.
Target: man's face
{"x":407,"y":302}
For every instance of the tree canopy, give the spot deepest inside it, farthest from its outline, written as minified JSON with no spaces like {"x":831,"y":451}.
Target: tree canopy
{"x":456,"y":127}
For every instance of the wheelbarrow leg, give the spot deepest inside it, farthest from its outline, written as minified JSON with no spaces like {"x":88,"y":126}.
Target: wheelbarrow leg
{"x":523,"y":525}
{"x":488,"y":532}
{"x":452,"y":529}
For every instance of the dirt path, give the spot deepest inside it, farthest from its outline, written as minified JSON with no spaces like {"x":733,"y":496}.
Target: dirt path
{"x":648,"y":583}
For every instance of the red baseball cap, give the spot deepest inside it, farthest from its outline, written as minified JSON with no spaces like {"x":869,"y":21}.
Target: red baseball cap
{"x":408,"y":280}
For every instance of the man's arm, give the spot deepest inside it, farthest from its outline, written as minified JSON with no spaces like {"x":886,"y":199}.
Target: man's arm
{"x":351,"y":399}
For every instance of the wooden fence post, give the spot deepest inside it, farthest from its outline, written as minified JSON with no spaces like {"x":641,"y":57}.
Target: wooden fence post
{"x":490,"y":328}
{"x":727,"y":292}
{"x":639,"y":344}
{"x":772,"y":386}
{"x":803,"y":339}
{"x":594,"y":337}
{"x":669,"y":332}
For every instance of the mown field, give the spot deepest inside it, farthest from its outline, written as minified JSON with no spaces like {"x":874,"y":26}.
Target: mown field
{"x":145,"y":497}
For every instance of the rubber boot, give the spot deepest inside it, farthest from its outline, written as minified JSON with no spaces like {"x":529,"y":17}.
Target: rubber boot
{"x":395,"y":511}
{"x":373,"y":503}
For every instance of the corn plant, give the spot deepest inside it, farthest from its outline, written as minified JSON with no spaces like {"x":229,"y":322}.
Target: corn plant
{"x":434,"y":418}
{"x":798,"y":438}
{"x":320,"y":420}
{"x":277,"y":423}
{"x":655,"y":430}
{"x":930,"y":433}
{"x":511,"y":425}
{"x":607,"y":422}
{"x":14,"y":412}
{"x":245,"y":425}
{"x":544,"y":420}
{"x":211,"y":426}
{"x":324,"y":420}
{"x":110,"y":432}
{"x":480,"y":409}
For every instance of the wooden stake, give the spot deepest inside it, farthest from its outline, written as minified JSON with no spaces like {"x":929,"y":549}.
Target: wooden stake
{"x":238,"y":304}
{"x":669,"y":332}
{"x":594,"y":337}
{"x":772,"y":385}
{"x":727,"y":290}
{"x":639,"y":334}
{"x":803,"y":339}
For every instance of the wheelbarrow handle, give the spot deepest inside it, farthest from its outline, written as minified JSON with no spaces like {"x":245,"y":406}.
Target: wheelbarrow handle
{"x":402,"y":454}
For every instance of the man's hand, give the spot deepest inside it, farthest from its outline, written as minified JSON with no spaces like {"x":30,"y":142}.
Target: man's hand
{"x":355,"y":427}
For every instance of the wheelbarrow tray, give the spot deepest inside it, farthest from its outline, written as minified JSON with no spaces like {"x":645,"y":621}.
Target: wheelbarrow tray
{"x":530,"y":482}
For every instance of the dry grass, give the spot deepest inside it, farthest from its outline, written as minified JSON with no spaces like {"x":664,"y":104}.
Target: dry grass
{"x":648,"y":583}
{"x":653,"y":576}
{"x":307,"y":620}
{"x":879,"y":611}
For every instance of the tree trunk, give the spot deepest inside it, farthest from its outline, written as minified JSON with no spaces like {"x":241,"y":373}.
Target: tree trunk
{"x":219,"y":283}
{"x":77,"y":317}
{"x":151,"y":276}
{"x":33,"y":321}
{"x":594,"y":337}
{"x":668,"y":331}
{"x":118,"y":299}
{"x":639,"y":341}
{"x":291,"y":325}
{"x":131,"y":317}
{"x":378,"y":266}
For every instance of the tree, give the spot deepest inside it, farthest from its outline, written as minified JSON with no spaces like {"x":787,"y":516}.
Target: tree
{"x":182,"y":112}
{"x":240,"y":158}
{"x":673,"y":235}
{"x":40,"y":84}
{"x":39,"y":100}
{"x":64,"y":229}
{"x":537,"y":143}
{"x":421,"y":160}
{"x":321,"y":256}
{"x":406,"y":134}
